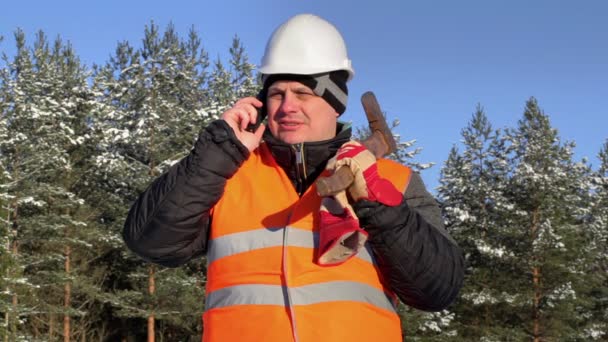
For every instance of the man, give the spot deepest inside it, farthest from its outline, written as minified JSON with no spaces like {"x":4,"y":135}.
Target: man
{"x":246,"y":198}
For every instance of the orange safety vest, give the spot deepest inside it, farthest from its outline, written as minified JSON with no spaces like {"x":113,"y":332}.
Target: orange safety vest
{"x":263,"y":282}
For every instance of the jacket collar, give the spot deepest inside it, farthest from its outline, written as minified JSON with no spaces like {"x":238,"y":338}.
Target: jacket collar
{"x":304,"y":162}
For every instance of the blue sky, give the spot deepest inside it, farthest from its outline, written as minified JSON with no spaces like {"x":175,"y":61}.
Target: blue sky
{"x":429,"y":62}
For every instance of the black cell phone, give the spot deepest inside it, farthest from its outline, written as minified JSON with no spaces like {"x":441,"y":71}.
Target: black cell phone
{"x":252,"y":127}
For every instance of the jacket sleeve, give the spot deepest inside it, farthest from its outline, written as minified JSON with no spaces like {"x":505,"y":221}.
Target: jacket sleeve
{"x":169,"y":222}
{"x":417,"y":257}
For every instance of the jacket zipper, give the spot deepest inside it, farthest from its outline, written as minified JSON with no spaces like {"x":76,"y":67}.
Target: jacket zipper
{"x":300,"y":168}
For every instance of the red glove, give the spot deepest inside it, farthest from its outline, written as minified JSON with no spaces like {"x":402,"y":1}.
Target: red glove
{"x":367,"y":182}
{"x":340,"y":237}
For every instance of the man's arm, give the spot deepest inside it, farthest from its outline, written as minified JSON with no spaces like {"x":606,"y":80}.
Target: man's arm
{"x":419,"y":260}
{"x":169,"y":222}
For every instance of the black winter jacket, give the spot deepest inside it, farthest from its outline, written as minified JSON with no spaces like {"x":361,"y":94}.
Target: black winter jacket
{"x":169,"y":223}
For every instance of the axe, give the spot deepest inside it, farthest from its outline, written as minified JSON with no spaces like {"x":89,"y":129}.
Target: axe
{"x":381,"y":142}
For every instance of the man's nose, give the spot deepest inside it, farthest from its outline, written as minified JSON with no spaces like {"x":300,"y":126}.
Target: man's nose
{"x":289,"y":103}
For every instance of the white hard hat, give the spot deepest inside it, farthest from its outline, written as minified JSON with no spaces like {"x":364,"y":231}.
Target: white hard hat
{"x":305,"y":45}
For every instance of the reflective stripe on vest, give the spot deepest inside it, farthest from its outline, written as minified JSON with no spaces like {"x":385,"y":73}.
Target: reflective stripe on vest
{"x":257,"y":294}
{"x":236,"y":243}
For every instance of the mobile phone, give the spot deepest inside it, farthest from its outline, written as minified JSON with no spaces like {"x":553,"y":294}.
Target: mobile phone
{"x":252,"y":127}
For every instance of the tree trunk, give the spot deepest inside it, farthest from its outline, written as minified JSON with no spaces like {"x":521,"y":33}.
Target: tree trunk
{"x":151,"y":280}
{"x":83,"y":336}
{"x":7,"y":316}
{"x":483,"y":234}
{"x":536,"y":280}
{"x":67,"y":296}
{"x":15,"y":299}
{"x":52,"y":327}
{"x":12,"y":248}
{"x":151,"y":289}
{"x":536,"y":311}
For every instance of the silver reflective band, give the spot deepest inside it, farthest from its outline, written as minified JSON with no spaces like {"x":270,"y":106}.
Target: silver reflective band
{"x":236,"y":243}
{"x":325,"y":83}
{"x":257,"y":294}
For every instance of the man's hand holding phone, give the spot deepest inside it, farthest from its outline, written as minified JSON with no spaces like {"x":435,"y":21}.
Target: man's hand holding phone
{"x":243,"y":115}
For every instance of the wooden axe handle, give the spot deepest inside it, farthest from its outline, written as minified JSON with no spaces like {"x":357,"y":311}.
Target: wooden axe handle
{"x":381,"y":142}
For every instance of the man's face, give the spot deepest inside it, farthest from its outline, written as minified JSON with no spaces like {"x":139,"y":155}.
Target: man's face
{"x":296,"y":114}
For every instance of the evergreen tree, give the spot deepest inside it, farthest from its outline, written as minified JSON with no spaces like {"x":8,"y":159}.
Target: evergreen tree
{"x":517,"y":203}
{"x":157,"y":108}
{"x":14,"y":153}
{"x":8,"y":260}
{"x":221,"y":93}
{"x":472,"y":192}
{"x":549,"y":192}
{"x":243,"y":82}
{"x":49,"y":101}
{"x":227,"y":85}
{"x":597,"y":244}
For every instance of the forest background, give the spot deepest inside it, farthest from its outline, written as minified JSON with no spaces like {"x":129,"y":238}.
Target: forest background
{"x":78,"y":142}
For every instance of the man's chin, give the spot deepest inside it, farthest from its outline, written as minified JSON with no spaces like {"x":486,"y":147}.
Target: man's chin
{"x":291,"y":138}
{"x":292,"y":141}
